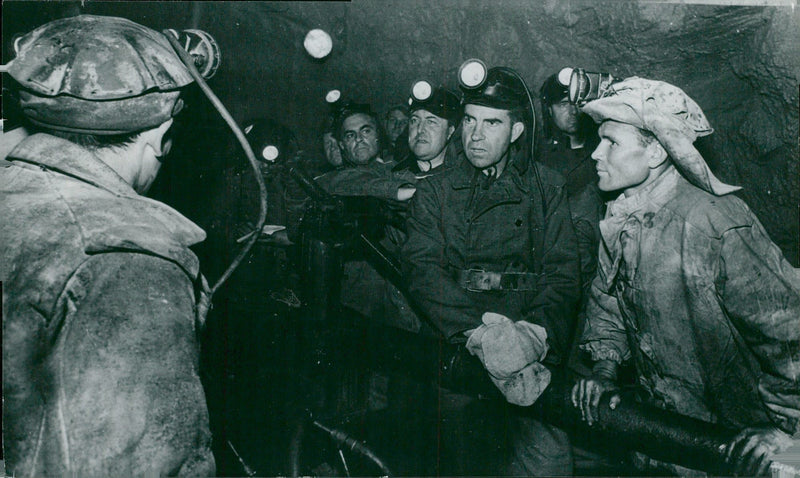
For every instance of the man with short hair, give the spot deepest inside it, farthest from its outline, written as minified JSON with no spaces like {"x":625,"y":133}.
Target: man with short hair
{"x":366,"y":173}
{"x":491,"y":246}
{"x":431,"y":127}
{"x":102,"y":297}
{"x":690,"y":288}
{"x":394,"y":123}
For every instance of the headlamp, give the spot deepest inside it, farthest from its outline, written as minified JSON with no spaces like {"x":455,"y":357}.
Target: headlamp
{"x":564,"y":76}
{"x":472,"y":74}
{"x":270,"y":153}
{"x":333,"y":96}
{"x":202,"y":48}
{"x":586,"y":86}
{"x":421,"y":91}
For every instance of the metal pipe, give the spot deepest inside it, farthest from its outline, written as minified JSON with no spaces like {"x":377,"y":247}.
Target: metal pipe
{"x":658,"y":433}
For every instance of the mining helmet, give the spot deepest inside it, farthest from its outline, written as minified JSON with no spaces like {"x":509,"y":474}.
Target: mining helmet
{"x":439,"y":101}
{"x":556,"y":87}
{"x":98,"y":75}
{"x":495,"y":87}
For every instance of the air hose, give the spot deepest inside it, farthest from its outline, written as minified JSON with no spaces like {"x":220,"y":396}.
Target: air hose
{"x":251,"y":157}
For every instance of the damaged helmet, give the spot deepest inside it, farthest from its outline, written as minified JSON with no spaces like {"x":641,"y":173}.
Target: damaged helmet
{"x":97,"y":75}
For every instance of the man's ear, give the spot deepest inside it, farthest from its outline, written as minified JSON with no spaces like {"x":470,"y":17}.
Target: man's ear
{"x":516,"y":130}
{"x":656,"y":154}
{"x":155,"y":138}
{"x":450,"y":130}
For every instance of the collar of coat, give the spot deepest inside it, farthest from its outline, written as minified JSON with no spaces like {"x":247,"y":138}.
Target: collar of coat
{"x":467,"y":175}
{"x":621,"y":228}
{"x":128,"y":221}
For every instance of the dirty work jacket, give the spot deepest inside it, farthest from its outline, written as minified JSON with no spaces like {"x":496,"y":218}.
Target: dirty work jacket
{"x":101,"y":310}
{"x":691,"y":288}
{"x":461,"y":220}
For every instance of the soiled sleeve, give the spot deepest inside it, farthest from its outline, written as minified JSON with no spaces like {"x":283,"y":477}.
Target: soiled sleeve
{"x":604,"y":336}
{"x":127,"y":370}
{"x":760,"y":291}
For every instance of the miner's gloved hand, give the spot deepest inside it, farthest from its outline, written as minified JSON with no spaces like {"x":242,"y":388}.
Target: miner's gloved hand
{"x":750,"y":452}
{"x":512,"y":353}
{"x":587,"y":392}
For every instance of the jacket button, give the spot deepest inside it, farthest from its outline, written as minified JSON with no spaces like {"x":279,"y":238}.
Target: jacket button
{"x":518,"y":222}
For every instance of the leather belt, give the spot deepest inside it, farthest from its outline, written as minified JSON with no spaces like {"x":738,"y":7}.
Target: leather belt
{"x":479,"y":280}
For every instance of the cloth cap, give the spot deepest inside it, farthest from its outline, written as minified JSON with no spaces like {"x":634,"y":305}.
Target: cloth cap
{"x":98,"y":75}
{"x":442,"y":102}
{"x":671,"y":115}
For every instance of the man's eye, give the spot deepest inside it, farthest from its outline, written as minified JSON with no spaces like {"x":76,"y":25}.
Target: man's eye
{"x":349,"y":136}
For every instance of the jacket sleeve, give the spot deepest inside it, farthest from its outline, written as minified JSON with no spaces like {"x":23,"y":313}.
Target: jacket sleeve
{"x":431,"y":285}
{"x":604,"y":336}
{"x":760,"y":292}
{"x":555,"y":306}
{"x":375,"y":181}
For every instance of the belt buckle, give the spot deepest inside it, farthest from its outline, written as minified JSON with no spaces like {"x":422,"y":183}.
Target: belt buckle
{"x":471,"y":273}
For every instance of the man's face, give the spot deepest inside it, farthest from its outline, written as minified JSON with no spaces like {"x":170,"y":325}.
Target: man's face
{"x":621,"y":158}
{"x":427,"y":134}
{"x":396,"y":122}
{"x":155,"y":147}
{"x":565,"y":116}
{"x":487,"y":134}
{"x":332,"y":152}
{"x":360,"y":139}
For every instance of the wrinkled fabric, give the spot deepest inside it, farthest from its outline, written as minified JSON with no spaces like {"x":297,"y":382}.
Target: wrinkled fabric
{"x":461,"y":220}
{"x":102,"y":301}
{"x":674,"y":118}
{"x":375,"y":179}
{"x":512,"y":353}
{"x":691,"y":288}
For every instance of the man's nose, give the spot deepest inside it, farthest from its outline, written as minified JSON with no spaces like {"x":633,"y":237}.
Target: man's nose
{"x":477,"y":133}
{"x":597,"y":154}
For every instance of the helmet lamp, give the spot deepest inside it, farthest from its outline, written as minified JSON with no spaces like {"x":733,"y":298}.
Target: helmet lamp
{"x":472,"y":74}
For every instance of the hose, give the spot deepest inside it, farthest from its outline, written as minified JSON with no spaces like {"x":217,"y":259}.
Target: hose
{"x":251,"y":157}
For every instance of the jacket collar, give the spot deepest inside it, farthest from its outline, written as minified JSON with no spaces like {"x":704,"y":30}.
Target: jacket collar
{"x":138,"y":226}
{"x":467,"y":175}
{"x":68,"y":158}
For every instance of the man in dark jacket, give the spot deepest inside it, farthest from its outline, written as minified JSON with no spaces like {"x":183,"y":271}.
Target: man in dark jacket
{"x":491,"y":243}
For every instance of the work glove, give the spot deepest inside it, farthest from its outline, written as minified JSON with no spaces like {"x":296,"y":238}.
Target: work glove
{"x":512,"y":353}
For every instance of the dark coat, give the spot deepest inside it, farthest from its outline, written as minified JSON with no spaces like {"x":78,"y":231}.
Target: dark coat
{"x":459,"y":220}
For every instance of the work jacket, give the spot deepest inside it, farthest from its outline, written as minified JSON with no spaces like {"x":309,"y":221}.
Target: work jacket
{"x":462,"y":220}
{"x":102,"y":300}
{"x":375,"y":179}
{"x":691,"y":288}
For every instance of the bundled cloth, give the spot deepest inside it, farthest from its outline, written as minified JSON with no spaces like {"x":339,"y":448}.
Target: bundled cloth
{"x":512,"y":353}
